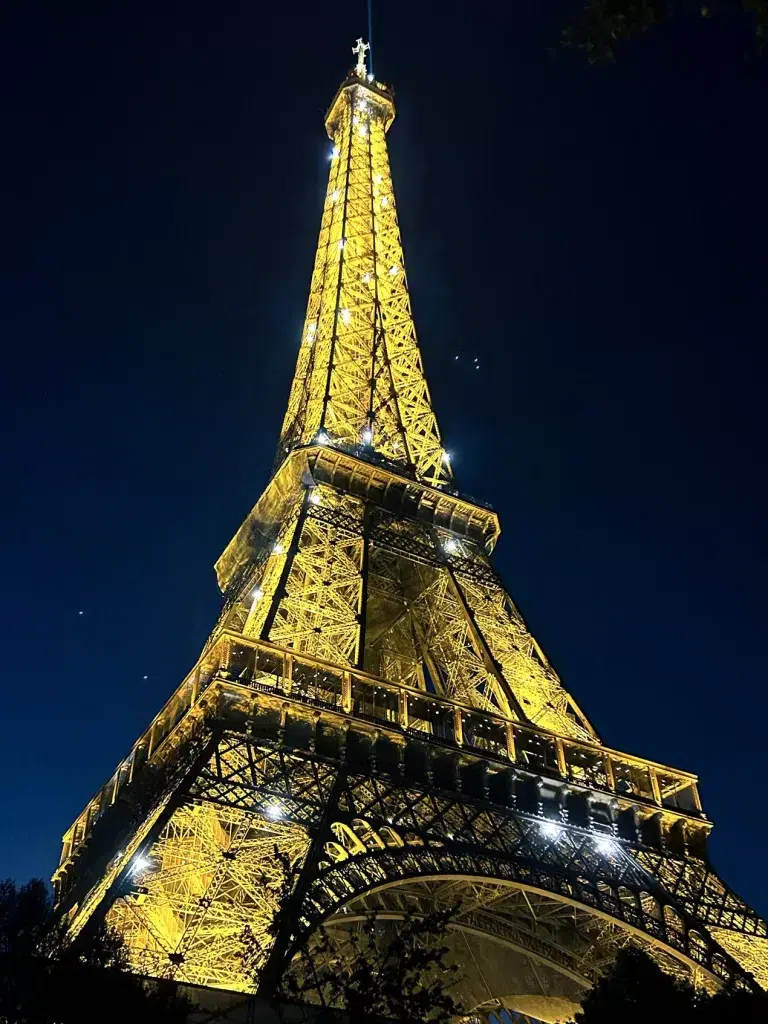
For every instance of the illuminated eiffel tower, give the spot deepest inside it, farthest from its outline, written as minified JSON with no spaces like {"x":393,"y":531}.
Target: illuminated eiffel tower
{"x":372,"y":711}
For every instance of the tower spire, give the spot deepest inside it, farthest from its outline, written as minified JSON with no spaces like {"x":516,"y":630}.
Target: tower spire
{"x":359,"y":377}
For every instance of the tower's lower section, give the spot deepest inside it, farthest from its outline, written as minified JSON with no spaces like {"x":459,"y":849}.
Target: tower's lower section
{"x":278,"y":803}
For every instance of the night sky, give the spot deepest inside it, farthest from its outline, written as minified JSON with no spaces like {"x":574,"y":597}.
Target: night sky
{"x":595,"y":237}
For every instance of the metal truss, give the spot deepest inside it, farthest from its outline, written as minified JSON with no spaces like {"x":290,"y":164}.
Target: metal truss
{"x":371,"y":727}
{"x":212,"y":870}
{"x":359,"y":374}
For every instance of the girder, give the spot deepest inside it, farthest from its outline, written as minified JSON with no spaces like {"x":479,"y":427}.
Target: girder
{"x":371,"y":727}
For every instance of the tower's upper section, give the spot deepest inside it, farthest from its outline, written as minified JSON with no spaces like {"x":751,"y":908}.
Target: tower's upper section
{"x":359,"y":380}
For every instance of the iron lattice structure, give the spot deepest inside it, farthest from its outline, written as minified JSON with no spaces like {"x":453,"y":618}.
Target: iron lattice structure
{"x":371,"y":727}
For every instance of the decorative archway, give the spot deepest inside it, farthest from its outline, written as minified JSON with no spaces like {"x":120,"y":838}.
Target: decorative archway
{"x":557,"y":919}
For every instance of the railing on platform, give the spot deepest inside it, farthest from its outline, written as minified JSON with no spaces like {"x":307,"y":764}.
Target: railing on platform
{"x":265,"y":668}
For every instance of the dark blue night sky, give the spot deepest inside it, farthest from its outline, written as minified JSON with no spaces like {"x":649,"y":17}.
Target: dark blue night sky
{"x":595,"y":237}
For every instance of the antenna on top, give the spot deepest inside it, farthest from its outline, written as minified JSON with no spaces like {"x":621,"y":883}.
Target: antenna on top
{"x":360,"y":49}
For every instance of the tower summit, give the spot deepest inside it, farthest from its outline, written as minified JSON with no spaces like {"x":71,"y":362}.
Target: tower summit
{"x":359,"y":377}
{"x":371,"y":727}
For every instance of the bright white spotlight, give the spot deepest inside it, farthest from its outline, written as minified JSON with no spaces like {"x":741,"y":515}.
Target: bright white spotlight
{"x":277,"y":549}
{"x":257,"y":593}
{"x":140,"y":863}
{"x":450,"y":545}
{"x":447,"y":458}
{"x":346,"y":316}
{"x":321,"y":437}
{"x":334,"y":152}
{"x":274,"y":811}
{"x":367,"y":435}
{"x":605,"y":845}
{"x":550,"y":829}
{"x":314,"y":497}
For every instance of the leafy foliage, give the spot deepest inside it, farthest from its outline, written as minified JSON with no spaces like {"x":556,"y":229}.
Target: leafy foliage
{"x":636,"y":991}
{"x":602,"y":26}
{"x":405,"y":977}
{"x":45,"y":980}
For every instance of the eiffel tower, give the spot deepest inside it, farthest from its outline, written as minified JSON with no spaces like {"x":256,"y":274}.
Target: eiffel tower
{"x":371,"y":728}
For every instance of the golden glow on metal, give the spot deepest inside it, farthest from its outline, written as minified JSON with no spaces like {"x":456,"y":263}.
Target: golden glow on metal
{"x":359,"y":366}
{"x":212,"y":872}
{"x":363,"y":619}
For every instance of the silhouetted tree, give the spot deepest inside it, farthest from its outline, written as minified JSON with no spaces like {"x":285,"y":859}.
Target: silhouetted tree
{"x":46,"y":980}
{"x":636,"y":991}
{"x":603,"y":25}
{"x":404,"y":977}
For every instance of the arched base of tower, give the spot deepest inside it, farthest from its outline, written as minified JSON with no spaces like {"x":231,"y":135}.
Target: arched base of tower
{"x":515,"y":948}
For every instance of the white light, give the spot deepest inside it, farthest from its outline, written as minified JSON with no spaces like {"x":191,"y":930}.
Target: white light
{"x":334,"y":195}
{"x":367,"y":435}
{"x":450,"y":545}
{"x":363,"y":129}
{"x":321,"y":437}
{"x":277,"y":549}
{"x":140,"y":864}
{"x":341,"y":242}
{"x":605,"y":845}
{"x":394,"y":270}
{"x":370,"y":78}
{"x":274,"y":811}
{"x":550,"y":829}
{"x":346,"y":316}
{"x":377,"y":179}
{"x":447,"y":458}
{"x":366,"y":280}
{"x":257,"y":593}
{"x":311,"y":331}
{"x":315,"y":498}
{"x":385,"y":201}
{"x":334,"y":152}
